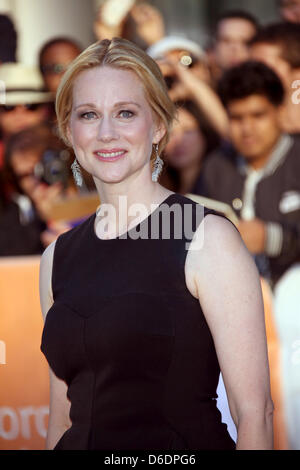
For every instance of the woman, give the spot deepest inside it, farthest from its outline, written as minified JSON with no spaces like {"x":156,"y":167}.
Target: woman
{"x":191,"y":140}
{"x":136,"y":327}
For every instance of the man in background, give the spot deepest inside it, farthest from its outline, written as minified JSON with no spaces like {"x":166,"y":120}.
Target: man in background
{"x":278,"y":45}
{"x":26,"y":102}
{"x":258,"y":173}
{"x":54,"y":58}
{"x":290,"y":10}
{"x":233,"y":32}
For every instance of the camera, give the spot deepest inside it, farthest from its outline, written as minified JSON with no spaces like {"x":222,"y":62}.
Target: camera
{"x":53,"y":167}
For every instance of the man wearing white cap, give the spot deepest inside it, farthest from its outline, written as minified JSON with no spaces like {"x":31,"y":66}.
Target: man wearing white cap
{"x":184,"y":66}
{"x":23,"y":101}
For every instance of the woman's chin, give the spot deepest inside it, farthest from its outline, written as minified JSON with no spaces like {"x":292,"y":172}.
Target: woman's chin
{"x":111,"y":177}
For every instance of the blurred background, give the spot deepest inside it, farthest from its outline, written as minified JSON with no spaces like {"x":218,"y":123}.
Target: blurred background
{"x":74,"y":18}
{"x":232,"y":67}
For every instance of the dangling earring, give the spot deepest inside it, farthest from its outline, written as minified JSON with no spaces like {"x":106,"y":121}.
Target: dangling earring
{"x":158,"y":164}
{"x":76,"y":173}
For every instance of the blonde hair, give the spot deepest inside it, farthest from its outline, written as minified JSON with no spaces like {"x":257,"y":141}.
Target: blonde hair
{"x":122,"y":54}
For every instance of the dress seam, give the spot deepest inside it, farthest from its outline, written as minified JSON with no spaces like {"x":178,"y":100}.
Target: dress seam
{"x":90,"y":440}
{"x":167,"y":421}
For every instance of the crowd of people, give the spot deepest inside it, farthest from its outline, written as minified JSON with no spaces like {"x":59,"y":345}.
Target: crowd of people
{"x":235,"y":141}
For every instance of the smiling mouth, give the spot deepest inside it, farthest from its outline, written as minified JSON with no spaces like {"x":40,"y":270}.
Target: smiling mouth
{"x":110,"y":154}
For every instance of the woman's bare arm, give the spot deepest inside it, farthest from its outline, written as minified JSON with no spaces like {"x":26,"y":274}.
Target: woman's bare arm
{"x":59,"y":420}
{"x":227,"y":284}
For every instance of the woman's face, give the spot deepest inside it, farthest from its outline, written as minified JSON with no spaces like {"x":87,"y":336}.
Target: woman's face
{"x":187,"y":144}
{"x":112,"y":128}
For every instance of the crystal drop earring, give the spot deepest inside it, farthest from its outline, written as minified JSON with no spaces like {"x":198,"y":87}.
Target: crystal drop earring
{"x":76,"y":173}
{"x":158,"y":164}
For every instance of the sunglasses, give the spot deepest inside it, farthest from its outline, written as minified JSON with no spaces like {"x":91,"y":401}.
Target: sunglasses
{"x":29,"y":107}
{"x":55,"y":69}
{"x":170,"y":81}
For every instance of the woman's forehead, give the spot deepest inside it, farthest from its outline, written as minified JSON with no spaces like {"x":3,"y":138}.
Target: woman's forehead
{"x":106,"y":83}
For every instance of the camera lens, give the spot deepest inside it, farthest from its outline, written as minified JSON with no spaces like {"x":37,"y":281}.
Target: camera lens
{"x":186,"y":60}
{"x":170,"y":81}
{"x":52,"y":168}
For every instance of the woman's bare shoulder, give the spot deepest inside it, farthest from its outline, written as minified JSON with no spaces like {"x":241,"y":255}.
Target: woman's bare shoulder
{"x":216,"y":242}
{"x":45,"y":278}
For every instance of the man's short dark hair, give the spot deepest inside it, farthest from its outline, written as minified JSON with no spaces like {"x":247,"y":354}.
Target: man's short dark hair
{"x":284,"y":35}
{"x":237,"y":14}
{"x":250,"y":78}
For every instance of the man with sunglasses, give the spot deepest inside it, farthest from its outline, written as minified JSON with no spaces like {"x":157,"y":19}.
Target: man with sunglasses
{"x":14,"y":118}
{"x":24,"y":103}
{"x":54,"y":59}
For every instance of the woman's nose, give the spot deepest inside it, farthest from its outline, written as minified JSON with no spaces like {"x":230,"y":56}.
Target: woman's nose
{"x":107,"y":130}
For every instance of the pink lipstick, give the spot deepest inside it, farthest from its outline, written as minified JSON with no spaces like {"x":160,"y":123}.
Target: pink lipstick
{"x":111,"y":155}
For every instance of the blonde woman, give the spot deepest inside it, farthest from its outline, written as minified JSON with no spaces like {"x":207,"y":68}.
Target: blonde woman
{"x":138,"y":327}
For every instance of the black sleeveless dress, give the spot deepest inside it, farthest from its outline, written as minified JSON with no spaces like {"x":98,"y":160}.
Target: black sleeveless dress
{"x":131,"y":342}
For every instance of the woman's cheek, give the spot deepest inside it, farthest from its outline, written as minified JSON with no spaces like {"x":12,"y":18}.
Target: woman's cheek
{"x":82,"y":134}
{"x":138,"y":131}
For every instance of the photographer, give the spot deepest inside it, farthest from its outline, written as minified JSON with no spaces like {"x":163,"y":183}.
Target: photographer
{"x":185,"y":69}
{"x":25,"y":103}
{"x":35,"y":177}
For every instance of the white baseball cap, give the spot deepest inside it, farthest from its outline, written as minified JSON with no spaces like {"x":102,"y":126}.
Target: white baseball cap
{"x":173,"y":43}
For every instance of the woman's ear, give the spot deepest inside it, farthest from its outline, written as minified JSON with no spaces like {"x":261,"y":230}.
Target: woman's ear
{"x":69,"y":135}
{"x":159,"y":132}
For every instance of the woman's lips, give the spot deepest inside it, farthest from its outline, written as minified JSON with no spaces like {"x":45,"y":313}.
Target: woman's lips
{"x":109,"y":155}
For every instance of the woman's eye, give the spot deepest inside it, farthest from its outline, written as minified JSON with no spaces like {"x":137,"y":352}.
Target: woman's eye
{"x":89,"y":115}
{"x":126,"y":114}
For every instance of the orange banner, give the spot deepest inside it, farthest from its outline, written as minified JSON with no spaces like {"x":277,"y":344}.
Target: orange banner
{"x":280,"y":436}
{"x":24,"y":386}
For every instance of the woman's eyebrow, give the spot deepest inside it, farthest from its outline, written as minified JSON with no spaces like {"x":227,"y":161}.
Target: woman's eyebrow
{"x":122,"y":103}
{"x":119,"y":103}
{"x":90,"y":105}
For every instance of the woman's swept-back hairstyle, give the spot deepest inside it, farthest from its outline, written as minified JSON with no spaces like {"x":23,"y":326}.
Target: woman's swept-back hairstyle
{"x":121,"y":54}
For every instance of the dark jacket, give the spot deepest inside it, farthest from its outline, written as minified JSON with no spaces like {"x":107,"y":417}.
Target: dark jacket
{"x":275,"y":198}
{"x":18,"y":236}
